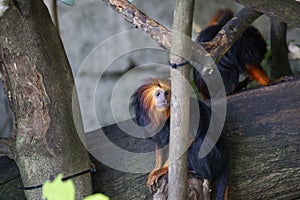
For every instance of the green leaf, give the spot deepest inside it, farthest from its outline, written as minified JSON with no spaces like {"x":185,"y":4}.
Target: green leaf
{"x":68,"y":2}
{"x":96,"y":197}
{"x":58,"y":189}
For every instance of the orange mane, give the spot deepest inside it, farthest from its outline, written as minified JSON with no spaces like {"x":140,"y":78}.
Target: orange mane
{"x":144,"y":97}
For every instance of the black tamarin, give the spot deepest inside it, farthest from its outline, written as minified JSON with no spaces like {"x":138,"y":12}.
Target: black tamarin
{"x":151,"y":103}
{"x":245,"y":55}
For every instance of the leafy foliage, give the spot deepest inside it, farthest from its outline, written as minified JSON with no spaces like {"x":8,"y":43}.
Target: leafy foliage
{"x":96,"y":197}
{"x":64,"y":190}
{"x":58,"y":189}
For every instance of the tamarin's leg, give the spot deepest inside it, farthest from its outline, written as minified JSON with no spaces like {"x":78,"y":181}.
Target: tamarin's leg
{"x":158,"y":164}
{"x":226,"y":193}
{"x":221,"y":187}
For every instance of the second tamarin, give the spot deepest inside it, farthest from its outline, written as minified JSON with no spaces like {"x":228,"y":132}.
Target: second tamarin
{"x":245,"y":55}
{"x":151,"y":103}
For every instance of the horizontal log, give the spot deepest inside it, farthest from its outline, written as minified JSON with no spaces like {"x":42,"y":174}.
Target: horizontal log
{"x":263,"y":134}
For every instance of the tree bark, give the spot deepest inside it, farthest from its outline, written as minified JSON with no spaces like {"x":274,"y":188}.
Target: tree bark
{"x":180,"y":100}
{"x":280,"y":65}
{"x":38,"y":81}
{"x":263,"y":133}
{"x":287,"y":11}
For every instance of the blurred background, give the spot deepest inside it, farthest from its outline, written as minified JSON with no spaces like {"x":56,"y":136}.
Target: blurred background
{"x":109,"y":58}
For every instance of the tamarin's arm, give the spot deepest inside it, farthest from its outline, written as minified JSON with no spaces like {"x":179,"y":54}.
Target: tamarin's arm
{"x":157,"y":171}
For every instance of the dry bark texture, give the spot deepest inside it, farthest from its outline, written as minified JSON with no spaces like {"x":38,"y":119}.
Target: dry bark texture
{"x":38,"y":80}
{"x":263,"y":131}
{"x":179,"y":123}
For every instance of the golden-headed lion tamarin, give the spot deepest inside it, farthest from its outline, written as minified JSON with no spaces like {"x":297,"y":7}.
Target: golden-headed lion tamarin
{"x":151,"y":103}
{"x":245,"y":55}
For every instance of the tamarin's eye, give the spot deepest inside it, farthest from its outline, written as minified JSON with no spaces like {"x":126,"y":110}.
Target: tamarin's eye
{"x":157,"y":93}
{"x":166,"y":93}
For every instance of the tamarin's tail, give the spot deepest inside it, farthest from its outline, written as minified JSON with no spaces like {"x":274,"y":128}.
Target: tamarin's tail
{"x":222,"y":16}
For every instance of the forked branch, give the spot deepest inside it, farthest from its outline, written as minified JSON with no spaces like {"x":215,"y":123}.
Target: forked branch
{"x":215,"y":48}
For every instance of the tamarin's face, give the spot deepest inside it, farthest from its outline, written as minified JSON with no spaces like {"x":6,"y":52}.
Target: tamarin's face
{"x":153,"y":98}
{"x":157,"y":96}
{"x":162,"y":96}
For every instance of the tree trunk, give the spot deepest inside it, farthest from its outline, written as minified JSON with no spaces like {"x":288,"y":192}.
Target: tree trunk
{"x":39,"y":83}
{"x":263,"y":132}
{"x":280,"y":65}
{"x":180,"y":100}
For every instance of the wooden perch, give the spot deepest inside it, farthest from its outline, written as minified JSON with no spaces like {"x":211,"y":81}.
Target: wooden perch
{"x":263,"y":132}
{"x":287,"y":11}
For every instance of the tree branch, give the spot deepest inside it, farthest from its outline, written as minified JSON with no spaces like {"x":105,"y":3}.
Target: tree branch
{"x":141,"y":21}
{"x":230,"y":33}
{"x":287,"y":11}
{"x":215,"y":48}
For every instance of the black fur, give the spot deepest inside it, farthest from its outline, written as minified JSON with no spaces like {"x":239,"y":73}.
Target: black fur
{"x":250,"y":48}
{"x":212,"y":167}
